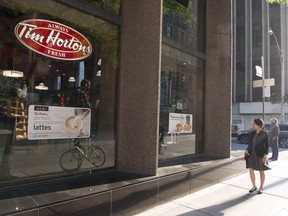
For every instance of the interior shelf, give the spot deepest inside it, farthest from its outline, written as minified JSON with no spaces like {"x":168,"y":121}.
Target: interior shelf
{"x":14,"y":107}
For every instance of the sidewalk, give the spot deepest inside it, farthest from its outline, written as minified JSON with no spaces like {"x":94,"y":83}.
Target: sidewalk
{"x":231,"y":197}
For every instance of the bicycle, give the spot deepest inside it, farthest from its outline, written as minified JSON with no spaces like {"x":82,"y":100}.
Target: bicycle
{"x":162,"y":144}
{"x":71,"y":160}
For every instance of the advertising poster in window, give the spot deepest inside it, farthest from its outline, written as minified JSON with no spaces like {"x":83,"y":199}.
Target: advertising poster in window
{"x":180,"y":123}
{"x":54,"y":122}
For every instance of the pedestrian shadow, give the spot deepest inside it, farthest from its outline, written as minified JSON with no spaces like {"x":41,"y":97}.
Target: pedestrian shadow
{"x":216,"y":210}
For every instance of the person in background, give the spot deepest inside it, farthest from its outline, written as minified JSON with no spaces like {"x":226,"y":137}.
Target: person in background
{"x":80,"y":97}
{"x":273,"y":138}
{"x":84,"y":93}
{"x":256,"y":154}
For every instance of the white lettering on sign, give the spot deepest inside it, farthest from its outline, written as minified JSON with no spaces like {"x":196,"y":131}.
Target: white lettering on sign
{"x":53,"y":39}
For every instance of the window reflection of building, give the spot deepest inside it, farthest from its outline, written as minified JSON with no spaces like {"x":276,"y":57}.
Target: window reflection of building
{"x":180,"y":71}
{"x":178,"y":95}
{"x":169,"y":31}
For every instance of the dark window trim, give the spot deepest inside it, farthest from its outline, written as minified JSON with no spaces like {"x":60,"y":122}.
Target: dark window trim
{"x":85,"y":6}
{"x":187,"y":50}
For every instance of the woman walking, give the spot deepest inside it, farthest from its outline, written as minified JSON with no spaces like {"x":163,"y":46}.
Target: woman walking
{"x":256,"y":154}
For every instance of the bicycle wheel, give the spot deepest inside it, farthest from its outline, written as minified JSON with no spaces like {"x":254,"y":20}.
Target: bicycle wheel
{"x":97,"y":156}
{"x":162,"y":146}
{"x":70,"y":160}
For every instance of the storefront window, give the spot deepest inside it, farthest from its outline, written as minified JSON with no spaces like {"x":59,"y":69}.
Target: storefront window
{"x":181,"y":105}
{"x":182,"y":86}
{"x":57,"y":90}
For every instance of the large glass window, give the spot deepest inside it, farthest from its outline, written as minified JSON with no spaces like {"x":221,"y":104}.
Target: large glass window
{"x":57,"y":90}
{"x":240,"y":82}
{"x":181,"y":103}
{"x":257,"y":6}
{"x":257,"y":36}
{"x":240,"y":8}
{"x":181,"y":93}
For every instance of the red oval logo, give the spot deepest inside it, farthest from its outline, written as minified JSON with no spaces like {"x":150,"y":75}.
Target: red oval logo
{"x":53,"y":39}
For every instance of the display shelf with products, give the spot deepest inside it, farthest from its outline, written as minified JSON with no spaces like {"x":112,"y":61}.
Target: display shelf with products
{"x":14,"y":107}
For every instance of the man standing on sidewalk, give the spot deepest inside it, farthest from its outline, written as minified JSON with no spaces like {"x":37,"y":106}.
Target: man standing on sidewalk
{"x":274,"y":136}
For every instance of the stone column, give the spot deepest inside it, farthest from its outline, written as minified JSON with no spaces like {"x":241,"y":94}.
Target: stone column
{"x":218,"y":89}
{"x":138,"y":90}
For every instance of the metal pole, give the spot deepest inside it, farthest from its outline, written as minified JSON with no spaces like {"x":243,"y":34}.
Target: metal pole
{"x":282,"y":56}
{"x":263,"y":89}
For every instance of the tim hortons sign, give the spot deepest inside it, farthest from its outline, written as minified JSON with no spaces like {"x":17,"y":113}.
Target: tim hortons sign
{"x":53,"y":39}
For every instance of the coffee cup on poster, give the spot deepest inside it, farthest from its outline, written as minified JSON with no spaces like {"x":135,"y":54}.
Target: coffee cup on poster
{"x":73,"y":126}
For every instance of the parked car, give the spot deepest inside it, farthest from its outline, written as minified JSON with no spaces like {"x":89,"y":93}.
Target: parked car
{"x":234,"y":130}
{"x":243,"y":136}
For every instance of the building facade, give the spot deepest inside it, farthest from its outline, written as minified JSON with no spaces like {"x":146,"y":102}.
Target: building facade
{"x":260,"y":31}
{"x":89,"y":87}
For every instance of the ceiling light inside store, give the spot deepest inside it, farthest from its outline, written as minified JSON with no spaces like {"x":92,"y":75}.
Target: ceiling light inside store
{"x":99,"y":62}
{"x":13,"y":73}
{"x":71,"y":79}
{"x":41,"y":86}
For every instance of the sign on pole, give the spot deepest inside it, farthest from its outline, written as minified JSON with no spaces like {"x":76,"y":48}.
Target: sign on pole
{"x":267,"y":92}
{"x":259,"y":71}
{"x":267,"y":82}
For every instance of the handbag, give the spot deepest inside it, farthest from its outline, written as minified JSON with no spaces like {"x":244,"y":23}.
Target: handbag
{"x":246,"y":156}
{"x":266,"y":164}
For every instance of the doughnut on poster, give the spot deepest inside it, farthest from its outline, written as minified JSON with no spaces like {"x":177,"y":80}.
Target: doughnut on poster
{"x":180,"y":123}
{"x":54,"y":122}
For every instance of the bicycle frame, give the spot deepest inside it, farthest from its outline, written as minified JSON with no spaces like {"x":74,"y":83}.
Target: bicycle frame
{"x":83,"y":153}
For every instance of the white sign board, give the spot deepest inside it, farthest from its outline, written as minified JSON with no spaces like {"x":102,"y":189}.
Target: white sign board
{"x":54,"y":122}
{"x":259,"y":71}
{"x":180,"y":123}
{"x":267,"y":92}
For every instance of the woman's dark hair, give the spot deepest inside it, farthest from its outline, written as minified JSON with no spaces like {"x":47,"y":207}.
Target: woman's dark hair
{"x":259,"y":122}
{"x":84,"y":82}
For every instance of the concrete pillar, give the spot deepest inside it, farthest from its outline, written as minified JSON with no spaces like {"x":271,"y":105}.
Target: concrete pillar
{"x":138,"y":91}
{"x":218,"y":88}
